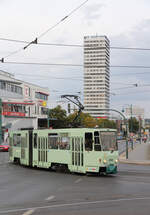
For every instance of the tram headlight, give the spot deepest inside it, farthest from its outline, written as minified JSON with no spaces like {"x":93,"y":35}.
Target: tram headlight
{"x":116,"y":161}
{"x":105,"y":161}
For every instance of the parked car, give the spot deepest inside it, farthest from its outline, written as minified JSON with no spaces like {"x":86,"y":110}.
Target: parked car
{"x":4,"y":147}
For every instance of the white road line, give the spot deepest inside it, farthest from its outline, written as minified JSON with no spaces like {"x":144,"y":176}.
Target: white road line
{"x":78,"y":180}
{"x":29,"y":212}
{"x":4,"y":162}
{"x":75,"y":204}
{"x":50,"y":198}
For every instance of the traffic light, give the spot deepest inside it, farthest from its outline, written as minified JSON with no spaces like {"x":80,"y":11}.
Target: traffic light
{"x":69,"y":110}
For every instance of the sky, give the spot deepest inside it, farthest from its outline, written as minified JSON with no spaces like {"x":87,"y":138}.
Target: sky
{"x":125,"y":23}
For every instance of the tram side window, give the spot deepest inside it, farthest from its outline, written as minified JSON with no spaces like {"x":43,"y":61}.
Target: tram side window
{"x":35,"y":141}
{"x":64,"y":143}
{"x":17,"y":140}
{"x":97,"y":146}
{"x":88,"y":141}
{"x":53,"y":141}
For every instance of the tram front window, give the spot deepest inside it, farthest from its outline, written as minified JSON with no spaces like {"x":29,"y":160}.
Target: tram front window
{"x":108,"y":140}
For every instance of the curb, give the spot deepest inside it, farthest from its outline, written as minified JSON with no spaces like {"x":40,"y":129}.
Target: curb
{"x":135,"y":162}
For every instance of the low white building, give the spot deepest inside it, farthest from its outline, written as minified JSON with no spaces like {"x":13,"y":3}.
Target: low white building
{"x":24,"y":105}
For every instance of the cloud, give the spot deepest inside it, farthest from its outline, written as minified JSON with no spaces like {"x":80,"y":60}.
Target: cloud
{"x":138,"y":37}
{"x":92,"y":13}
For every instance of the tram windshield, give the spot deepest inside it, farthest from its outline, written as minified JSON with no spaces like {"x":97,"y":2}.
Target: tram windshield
{"x":108,"y":140}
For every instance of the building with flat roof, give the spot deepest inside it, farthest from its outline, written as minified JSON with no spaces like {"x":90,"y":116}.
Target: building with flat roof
{"x":96,"y":76}
{"x":24,"y":105}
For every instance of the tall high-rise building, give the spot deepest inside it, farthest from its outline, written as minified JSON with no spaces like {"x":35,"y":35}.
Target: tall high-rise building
{"x":96,"y":76}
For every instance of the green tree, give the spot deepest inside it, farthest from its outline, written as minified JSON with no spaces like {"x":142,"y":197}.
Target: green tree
{"x":106,"y":123}
{"x":83,"y":120}
{"x":133,"y":125}
{"x":58,"y":117}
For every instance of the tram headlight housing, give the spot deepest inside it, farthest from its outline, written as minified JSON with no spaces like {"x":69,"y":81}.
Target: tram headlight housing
{"x":105,"y":161}
{"x":116,"y":161}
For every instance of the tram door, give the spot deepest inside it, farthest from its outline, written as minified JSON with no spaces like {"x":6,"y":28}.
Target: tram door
{"x":42,"y":151}
{"x":77,"y":154}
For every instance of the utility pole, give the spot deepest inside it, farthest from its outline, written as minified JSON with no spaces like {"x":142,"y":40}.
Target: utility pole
{"x":0,"y":121}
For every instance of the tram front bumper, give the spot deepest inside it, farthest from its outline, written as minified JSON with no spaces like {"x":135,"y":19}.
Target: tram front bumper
{"x":111,"y":169}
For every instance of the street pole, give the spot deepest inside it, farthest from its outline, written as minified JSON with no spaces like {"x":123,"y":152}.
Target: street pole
{"x":126,"y":139}
{"x":0,"y":121}
{"x":140,"y":132}
{"x":131,"y":128}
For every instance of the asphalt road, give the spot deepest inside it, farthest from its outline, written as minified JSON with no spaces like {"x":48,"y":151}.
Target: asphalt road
{"x":25,"y":191}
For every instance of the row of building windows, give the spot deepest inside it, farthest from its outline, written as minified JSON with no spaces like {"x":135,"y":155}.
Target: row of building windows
{"x":105,"y":40}
{"x":98,"y":52}
{"x":104,"y":99}
{"x":93,"y":73}
{"x":93,"y":81}
{"x":97,"y":95}
{"x":41,"y":96}
{"x":94,"y":55}
{"x":92,"y":47}
{"x":95,"y":91}
{"x":101,"y":51}
{"x":96,"y":86}
{"x":93,"y":66}
{"x":10,"y":87}
{"x":94,"y":103}
{"x":99,"y":60}
{"x":14,"y":108}
{"x":88,"y":76}
{"x":95,"y":63}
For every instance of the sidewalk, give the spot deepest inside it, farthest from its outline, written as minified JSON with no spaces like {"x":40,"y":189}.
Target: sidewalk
{"x":139,"y":156}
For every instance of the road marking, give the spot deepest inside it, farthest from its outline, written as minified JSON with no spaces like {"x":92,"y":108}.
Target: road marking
{"x":4,"y":163}
{"x":78,"y":180}
{"x":29,"y":212}
{"x":50,"y":198}
{"x":75,"y":204}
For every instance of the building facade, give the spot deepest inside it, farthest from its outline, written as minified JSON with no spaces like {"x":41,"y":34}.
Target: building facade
{"x":96,"y":76}
{"x":134,"y":111}
{"x":24,"y":105}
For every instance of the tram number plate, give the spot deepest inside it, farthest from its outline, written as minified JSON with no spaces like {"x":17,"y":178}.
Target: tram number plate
{"x":111,"y":160}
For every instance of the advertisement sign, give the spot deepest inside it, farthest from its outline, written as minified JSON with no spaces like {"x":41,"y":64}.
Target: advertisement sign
{"x":6,"y":113}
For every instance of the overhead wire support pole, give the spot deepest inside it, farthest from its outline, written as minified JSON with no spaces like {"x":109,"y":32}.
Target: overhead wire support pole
{"x":126,"y":123}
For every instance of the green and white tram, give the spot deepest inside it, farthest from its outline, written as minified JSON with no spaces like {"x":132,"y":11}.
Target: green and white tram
{"x":81,"y":150}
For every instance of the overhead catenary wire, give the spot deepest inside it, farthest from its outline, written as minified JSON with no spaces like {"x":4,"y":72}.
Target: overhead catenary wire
{"x":69,"y":78}
{"x":73,"y":65}
{"x":74,"y":45}
{"x":35,"y":41}
{"x":63,"y":19}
